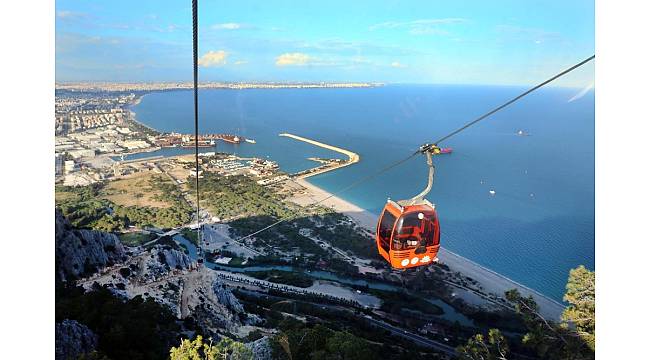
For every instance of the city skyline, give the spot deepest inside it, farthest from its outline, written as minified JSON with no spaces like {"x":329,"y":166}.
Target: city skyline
{"x":508,"y":44}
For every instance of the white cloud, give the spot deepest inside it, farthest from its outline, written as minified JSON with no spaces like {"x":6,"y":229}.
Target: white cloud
{"x":293,"y":59}
{"x":397,"y":64}
{"x":419,"y":27}
{"x":241,"y":62}
{"x":232,"y":26}
{"x":227,"y":26}
{"x":213,"y":58}
{"x":70,"y":15}
{"x":536,"y":35}
{"x":302,"y":59}
{"x":427,"y":30}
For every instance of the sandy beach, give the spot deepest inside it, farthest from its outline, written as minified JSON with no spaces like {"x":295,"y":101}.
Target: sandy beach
{"x":490,"y":281}
{"x":314,"y":194}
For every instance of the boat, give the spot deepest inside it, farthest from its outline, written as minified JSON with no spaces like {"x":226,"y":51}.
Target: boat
{"x":251,"y":141}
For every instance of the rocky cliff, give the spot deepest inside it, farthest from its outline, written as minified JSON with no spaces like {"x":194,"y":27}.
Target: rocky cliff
{"x":172,"y":279}
{"x":161,"y":260}
{"x":160,"y":272}
{"x":83,"y":252}
{"x":261,"y":349}
{"x":226,"y":297}
{"x":73,"y":339}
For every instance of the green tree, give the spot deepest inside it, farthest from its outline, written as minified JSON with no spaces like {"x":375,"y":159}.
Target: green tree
{"x":344,"y":345}
{"x":478,"y":347}
{"x":581,"y":312}
{"x":127,"y":329}
{"x":226,"y":349}
{"x":296,"y":341}
{"x":574,"y":336}
{"x":94,"y":355}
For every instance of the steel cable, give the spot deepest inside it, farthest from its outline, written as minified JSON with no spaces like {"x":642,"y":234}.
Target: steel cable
{"x":195,"y":49}
{"x":429,"y":146}
{"x":513,"y":100}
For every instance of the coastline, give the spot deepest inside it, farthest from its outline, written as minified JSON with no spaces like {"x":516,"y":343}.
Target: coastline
{"x":491,"y":281}
{"x":133,"y":115}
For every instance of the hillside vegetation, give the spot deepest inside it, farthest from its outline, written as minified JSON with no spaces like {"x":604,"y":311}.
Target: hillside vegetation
{"x":113,"y":207}
{"x":572,"y":338}
{"x":239,"y":196}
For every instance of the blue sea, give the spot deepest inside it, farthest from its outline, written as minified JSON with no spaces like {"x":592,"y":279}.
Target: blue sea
{"x":537,"y":225}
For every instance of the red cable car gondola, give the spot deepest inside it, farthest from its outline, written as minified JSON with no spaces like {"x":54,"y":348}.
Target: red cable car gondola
{"x":408,"y":231}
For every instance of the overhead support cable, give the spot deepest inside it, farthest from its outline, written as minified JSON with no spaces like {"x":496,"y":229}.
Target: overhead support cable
{"x":430,"y":148}
{"x":195,"y":49}
{"x":427,"y":147}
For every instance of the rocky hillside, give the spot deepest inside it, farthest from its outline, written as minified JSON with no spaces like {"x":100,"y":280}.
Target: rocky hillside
{"x":169,"y":277}
{"x":83,"y":252}
{"x":119,"y":277}
{"x":261,"y":349}
{"x":73,"y":339}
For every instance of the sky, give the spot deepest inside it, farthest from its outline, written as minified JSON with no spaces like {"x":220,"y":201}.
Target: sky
{"x":496,"y":42}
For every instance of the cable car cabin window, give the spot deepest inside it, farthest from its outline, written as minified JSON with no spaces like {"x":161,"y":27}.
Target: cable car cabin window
{"x":413,"y":229}
{"x":385,"y":229}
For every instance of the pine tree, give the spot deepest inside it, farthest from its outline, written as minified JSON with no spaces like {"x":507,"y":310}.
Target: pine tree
{"x":225,"y":349}
{"x":495,"y":347}
{"x":581,"y":312}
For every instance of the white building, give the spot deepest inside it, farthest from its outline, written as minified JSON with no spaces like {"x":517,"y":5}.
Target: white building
{"x":134,"y":144}
{"x":70,"y":166}
{"x":108,"y":147}
{"x":82,"y":153}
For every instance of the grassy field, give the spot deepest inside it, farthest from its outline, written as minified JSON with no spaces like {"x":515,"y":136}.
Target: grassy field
{"x":136,"y":190}
{"x":141,"y":200}
{"x":60,"y":195}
